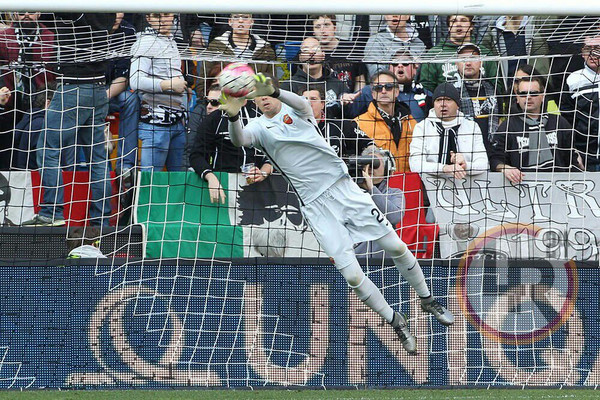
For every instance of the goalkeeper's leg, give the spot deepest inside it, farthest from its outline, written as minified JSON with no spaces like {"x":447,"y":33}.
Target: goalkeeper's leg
{"x":410,"y":269}
{"x":369,"y":294}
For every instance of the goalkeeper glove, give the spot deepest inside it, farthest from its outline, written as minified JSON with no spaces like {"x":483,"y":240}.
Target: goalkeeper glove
{"x":231,"y":105}
{"x":263,"y":87}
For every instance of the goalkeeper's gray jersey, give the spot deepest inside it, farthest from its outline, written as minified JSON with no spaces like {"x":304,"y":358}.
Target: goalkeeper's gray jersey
{"x":294,"y":145}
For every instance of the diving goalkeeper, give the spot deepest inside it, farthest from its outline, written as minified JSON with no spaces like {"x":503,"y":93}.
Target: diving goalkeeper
{"x":339,"y":213}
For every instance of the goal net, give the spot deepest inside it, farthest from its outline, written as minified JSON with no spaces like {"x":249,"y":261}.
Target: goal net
{"x":475,"y":136}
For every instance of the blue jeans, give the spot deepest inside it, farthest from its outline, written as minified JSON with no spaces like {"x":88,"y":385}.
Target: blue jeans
{"x":127,"y":104}
{"x":162,"y":146}
{"x":76,"y":115}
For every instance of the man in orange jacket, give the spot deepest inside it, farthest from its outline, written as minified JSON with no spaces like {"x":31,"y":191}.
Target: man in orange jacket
{"x":388,"y":121}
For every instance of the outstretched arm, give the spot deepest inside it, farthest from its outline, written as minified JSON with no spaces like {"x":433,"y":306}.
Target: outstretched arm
{"x":264,"y":87}
{"x":232,"y":106}
{"x":298,"y":103}
{"x":237,"y":133}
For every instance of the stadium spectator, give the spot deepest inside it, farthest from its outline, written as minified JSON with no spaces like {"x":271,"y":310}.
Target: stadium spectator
{"x":84,"y":242}
{"x":354,"y":28}
{"x":447,"y":142}
{"x":213,"y":151}
{"x":410,"y":92}
{"x":343,"y":135}
{"x":313,"y":72}
{"x":121,"y":99}
{"x":383,"y":46}
{"x":239,"y":43}
{"x":341,"y":56}
{"x":27,"y":47}
{"x":424,"y":26}
{"x":518,"y":37}
{"x":532,"y":140}
{"x":28,"y":129}
{"x":6,"y":129}
{"x":581,"y":104}
{"x":387,"y":121}
{"x":439,"y":28}
{"x":204,"y":107}
{"x":480,"y":99}
{"x":76,"y":115}
{"x":524,"y":72}
{"x":156,"y":73}
{"x":565,"y":47}
{"x":460,"y":32}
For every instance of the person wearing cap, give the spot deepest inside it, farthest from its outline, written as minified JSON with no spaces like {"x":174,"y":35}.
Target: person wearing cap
{"x":532,"y":140}
{"x":480,"y":99}
{"x":447,"y":143}
{"x":460,"y":32}
{"x":387,"y":121}
{"x":581,"y":104}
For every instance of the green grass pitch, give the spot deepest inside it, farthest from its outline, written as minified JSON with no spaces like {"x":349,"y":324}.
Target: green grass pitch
{"x":373,"y":394}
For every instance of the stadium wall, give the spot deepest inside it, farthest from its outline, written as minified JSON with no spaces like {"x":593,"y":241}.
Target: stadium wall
{"x":295,"y":323}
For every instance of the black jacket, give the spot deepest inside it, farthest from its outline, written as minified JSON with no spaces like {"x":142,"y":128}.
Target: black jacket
{"x":581,"y":107}
{"x":345,"y":137}
{"x":332,"y":85}
{"x":510,"y":145}
{"x":212,"y":149}
{"x":82,"y":39}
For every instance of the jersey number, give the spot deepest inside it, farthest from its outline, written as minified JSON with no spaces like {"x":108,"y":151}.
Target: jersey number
{"x":380,"y":218}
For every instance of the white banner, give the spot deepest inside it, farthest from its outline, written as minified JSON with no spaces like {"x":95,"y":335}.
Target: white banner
{"x":561,"y":210}
{"x":16,"y":198}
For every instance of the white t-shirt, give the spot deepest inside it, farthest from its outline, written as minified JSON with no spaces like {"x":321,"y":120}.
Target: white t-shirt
{"x":291,"y":140}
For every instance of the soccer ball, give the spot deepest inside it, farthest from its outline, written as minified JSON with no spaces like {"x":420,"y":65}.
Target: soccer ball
{"x":237,"y":80}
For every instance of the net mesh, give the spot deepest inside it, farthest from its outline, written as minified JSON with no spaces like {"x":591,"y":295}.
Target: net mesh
{"x":110,"y":128}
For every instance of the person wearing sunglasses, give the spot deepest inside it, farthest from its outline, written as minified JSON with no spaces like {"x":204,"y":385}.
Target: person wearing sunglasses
{"x":203,"y":108}
{"x":387,"y":121}
{"x":524,"y":72}
{"x":581,"y":105}
{"x":410,"y":92}
{"x":211,"y":149}
{"x":531,"y":140}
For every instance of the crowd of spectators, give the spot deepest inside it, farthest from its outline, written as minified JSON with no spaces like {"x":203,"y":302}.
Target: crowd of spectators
{"x":453,"y":95}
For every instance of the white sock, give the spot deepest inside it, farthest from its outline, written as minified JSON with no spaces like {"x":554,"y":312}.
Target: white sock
{"x":405,"y":261}
{"x":366,"y":291}
{"x":410,"y":269}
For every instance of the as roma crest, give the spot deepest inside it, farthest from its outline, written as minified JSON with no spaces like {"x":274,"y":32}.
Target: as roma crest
{"x":287,"y":119}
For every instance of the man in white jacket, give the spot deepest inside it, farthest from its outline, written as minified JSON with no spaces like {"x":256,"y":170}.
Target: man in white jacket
{"x":447,"y":142}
